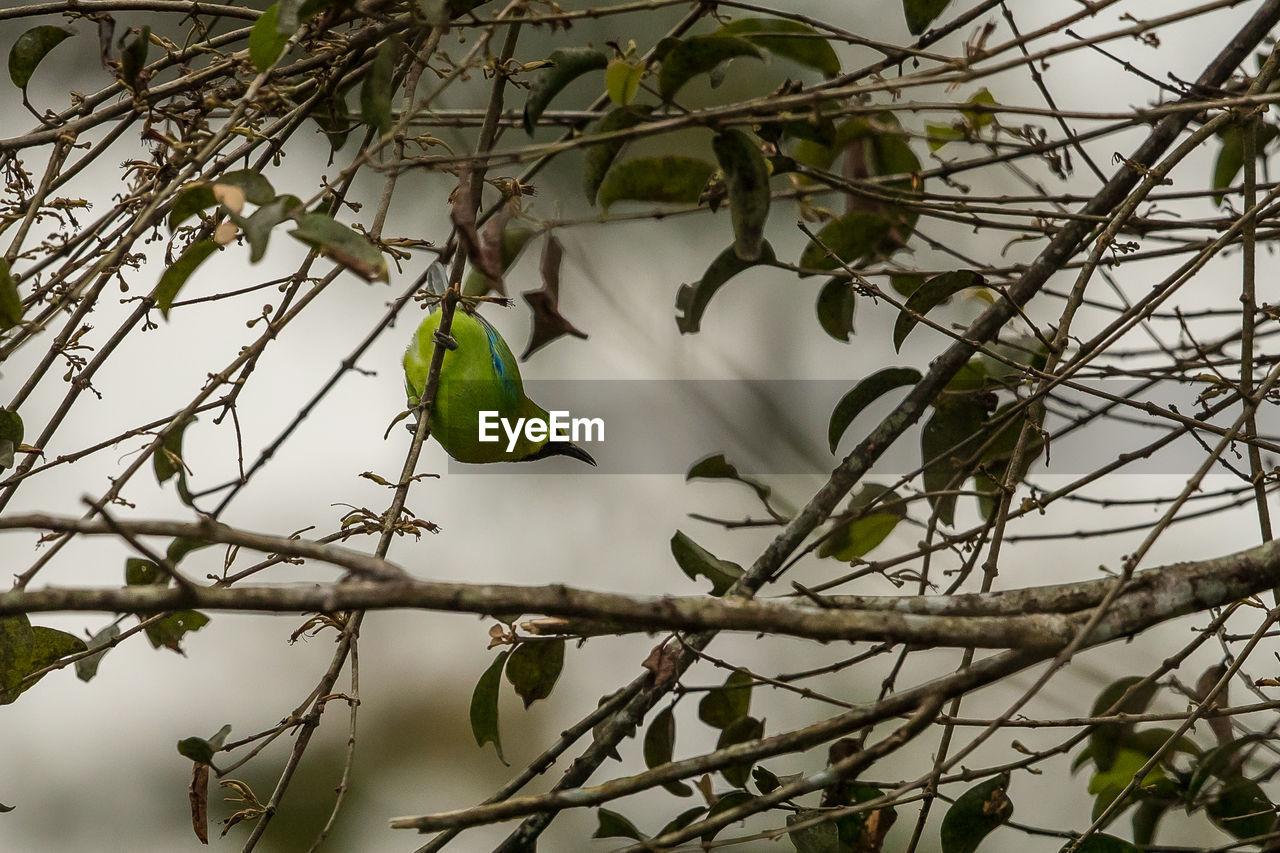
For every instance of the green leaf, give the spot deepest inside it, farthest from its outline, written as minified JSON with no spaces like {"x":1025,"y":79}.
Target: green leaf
{"x":945,"y":451}
{"x":1146,"y":818}
{"x":748,"y":177}
{"x":864,"y":394}
{"x":201,"y":750}
{"x":346,"y":247}
{"x":975,"y":813}
{"x":724,"y":706}
{"x":920,"y":14}
{"x":257,"y":228}
{"x":622,"y":80}
{"x":133,"y":59}
{"x":699,"y":55}
{"x":613,"y":825}
{"x":1105,"y":739}
{"x":167,"y":460}
{"x":1100,"y":842}
{"x":10,"y":300}
{"x":692,"y":299}
{"x":854,"y":238}
{"x":670,"y":179}
{"x":266,"y":42}
{"x":877,"y":510}
{"x":191,"y":199}
{"x":791,"y":39}
{"x":729,"y":801}
{"x":940,"y":134}
{"x":175,"y":277}
{"x":375,"y":91}
{"x":1231,"y":156}
{"x":30,"y":49}
{"x":819,"y":838}
{"x":87,"y":667}
{"x":256,"y":188}
{"x":10,"y":437}
{"x":979,"y":118}
{"x":741,"y":730}
{"x":716,"y":467}
{"x":600,"y":157}
{"x":836,"y":303}
{"x":25,"y":649}
{"x":140,"y":572}
{"x":659,"y":746}
{"x":184,"y":545}
{"x":1242,"y":809}
{"x":694,"y":560}
{"x":513,"y":242}
{"x":929,"y":295}
{"x":568,"y":64}
{"x":683,"y":819}
{"x":534,"y":667}
{"x":484,"y":706}
{"x":168,"y":631}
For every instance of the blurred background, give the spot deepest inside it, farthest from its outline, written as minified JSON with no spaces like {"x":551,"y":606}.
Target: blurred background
{"x":94,"y":766}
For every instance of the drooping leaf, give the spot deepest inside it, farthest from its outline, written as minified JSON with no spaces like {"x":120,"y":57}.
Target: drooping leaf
{"x":191,"y":199}
{"x":133,"y":59}
{"x":692,"y":299}
{"x":821,"y":837}
{"x":1230,"y":159}
{"x":614,"y":825}
{"x":920,"y":14}
{"x":694,"y":560}
{"x":622,"y":80}
{"x":10,"y":300}
{"x":348,"y":248}
{"x":175,"y":277}
{"x":184,"y":545}
{"x":503,"y":244}
{"x":929,"y":295}
{"x":1106,"y":738}
{"x":699,"y":55}
{"x":876,"y":512}
{"x":11,"y":432}
{"x":727,"y":802}
{"x":748,"y":178}
{"x":975,"y":813}
{"x":568,"y":64}
{"x":945,"y":450}
{"x":167,"y":459}
{"x":716,"y":467}
{"x":1242,"y":809}
{"x":853,"y":238}
{"x":1146,"y":819}
{"x":257,"y":227}
{"x":683,"y":819}
{"x":266,"y":42}
{"x":1100,"y":842}
{"x":670,"y":179}
{"x":741,"y":730}
{"x":548,"y":322}
{"x":30,"y":50}
{"x":866,"y":392}
{"x":724,"y":706}
{"x":659,"y":746}
{"x":794,"y":40}
{"x":25,"y":649}
{"x":836,"y":303}
{"x":600,"y":157}
{"x":375,"y":91}
{"x":168,"y":631}
{"x":534,"y":667}
{"x":484,"y":706}
{"x":87,"y":667}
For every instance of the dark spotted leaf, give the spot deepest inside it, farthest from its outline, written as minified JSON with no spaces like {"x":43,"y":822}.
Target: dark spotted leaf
{"x":568,"y":64}
{"x":659,"y":745}
{"x":168,"y":631}
{"x":348,"y":248}
{"x":694,"y":560}
{"x":484,"y":706}
{"x":534,"y":667}
{"x":748,"y":178}
{"x":614,"y":825}
{"x":853,"y":238}
{"x":724,"y":706}
{"x":792,"y":39}
{"x":692,"y":299}
{"x":975,"y":813}
{"x":699,"y":55}
{"x":864,"y":394}
{"x":175,"y":277}
{"x":30,"y":49}
{"x":25,"y":649}
{"x":670,"y":179}
{"x":600,"y":157}
{"x":741,"y":730}
{"x":920,"y":14}
{"x":930,"y":294}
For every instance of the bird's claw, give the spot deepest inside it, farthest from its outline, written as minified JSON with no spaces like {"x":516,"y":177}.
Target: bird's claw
{"x":446,"y":341}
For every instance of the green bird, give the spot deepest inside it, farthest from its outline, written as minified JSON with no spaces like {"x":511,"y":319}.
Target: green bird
{"x":479,"y":375}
